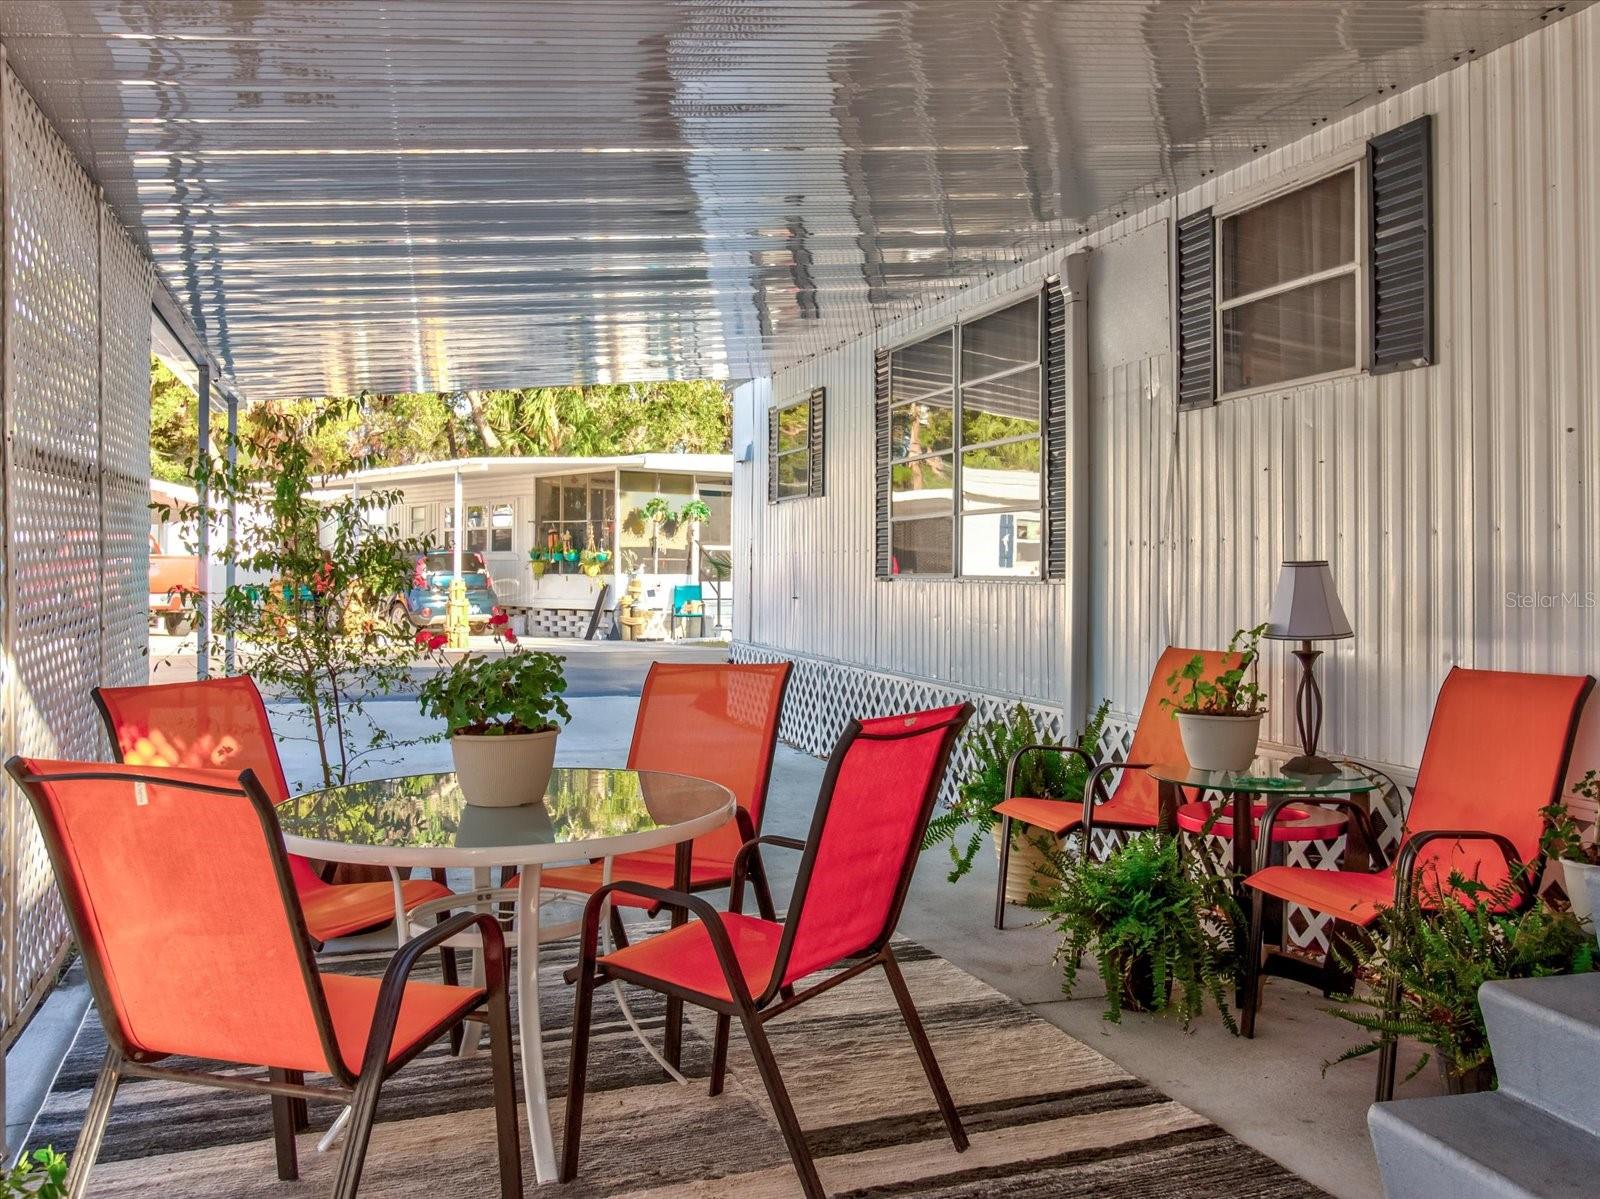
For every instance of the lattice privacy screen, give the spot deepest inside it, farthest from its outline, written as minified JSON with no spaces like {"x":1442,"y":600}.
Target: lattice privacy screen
{"x":824,"y":695}
{"x":75,"y":340}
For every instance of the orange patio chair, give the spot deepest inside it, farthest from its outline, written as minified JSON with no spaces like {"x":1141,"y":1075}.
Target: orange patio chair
{"x":856,"y":868}
{"x":183,"y":905}
{"x":222,"y":724}
{"x":1497,"y":751}
{"x":1135,"y":804}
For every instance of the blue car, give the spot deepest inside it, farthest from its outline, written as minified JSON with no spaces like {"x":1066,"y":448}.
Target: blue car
{"x":423,"y":604}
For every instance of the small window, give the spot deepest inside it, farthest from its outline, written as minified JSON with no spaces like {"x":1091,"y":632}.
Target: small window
{"x":965,"y":468}
{"x":477,"y":529}
{"x":419,"y":523}
{"x":1289,"y":286}
{"x":501,"y":519}
{"x":789,"y":448}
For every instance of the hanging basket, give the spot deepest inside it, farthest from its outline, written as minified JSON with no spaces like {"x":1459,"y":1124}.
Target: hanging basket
{"x":1029,"y":871}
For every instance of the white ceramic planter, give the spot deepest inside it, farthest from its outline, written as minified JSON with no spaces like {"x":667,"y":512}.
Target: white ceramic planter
{"x":502,"y":772}
{"x":1213,"y":742}
{"x":1581,"y":882}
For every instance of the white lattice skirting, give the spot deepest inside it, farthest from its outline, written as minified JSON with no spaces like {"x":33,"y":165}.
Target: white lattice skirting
{"x":824,"y":695}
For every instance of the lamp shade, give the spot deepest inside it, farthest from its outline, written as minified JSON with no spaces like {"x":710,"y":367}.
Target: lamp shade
{"x":1306,"y":606}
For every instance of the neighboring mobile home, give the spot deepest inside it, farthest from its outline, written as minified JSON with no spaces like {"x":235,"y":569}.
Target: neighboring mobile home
{"x":515,"y":506}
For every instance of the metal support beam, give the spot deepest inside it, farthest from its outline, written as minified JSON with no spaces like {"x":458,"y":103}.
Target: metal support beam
{"x":202,"y":628}
{"x":230,"y":570}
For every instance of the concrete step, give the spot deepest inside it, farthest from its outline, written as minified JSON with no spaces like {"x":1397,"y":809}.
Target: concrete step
{"x":1546,"y":1038}
{"x":1488,"y":1146}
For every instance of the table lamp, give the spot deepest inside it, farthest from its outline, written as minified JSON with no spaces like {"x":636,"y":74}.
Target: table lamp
{"x":1306,"y":608}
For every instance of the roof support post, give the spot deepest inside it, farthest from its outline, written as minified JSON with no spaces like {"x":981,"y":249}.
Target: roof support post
{"x":202,"y":627}
{"x":230,"y":569}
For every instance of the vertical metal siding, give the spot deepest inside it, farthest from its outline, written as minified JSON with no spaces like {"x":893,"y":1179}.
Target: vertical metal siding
{"x":1434,"y":492}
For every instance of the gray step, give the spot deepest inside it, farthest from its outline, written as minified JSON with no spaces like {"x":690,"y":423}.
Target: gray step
{"x":1488,"y":1146}
{"x":1546,"y":1038}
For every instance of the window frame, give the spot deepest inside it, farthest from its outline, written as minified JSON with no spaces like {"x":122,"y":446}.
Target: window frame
{"x":958,"y":448}
{"x":779,"y":454}
{"x":1353,"y":160}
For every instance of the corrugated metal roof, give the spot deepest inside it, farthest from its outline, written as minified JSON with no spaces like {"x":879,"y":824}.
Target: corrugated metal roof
{"x":444,"y":194}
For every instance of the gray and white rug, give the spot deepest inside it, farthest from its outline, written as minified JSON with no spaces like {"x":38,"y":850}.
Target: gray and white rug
{"x":1047,"y":1115}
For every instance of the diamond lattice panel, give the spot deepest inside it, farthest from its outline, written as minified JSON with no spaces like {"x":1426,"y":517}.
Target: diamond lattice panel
{"x":125,"y":281}
{"x":52,"y":497}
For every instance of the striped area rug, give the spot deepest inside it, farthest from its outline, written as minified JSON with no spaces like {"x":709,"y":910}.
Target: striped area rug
{"x":1047,"y":1115}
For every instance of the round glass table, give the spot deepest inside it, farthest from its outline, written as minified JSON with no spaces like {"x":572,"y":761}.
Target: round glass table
{"x":423,"y":820}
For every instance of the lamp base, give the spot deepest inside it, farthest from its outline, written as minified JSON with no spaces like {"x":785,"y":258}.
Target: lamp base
{"x":1309,"y":764}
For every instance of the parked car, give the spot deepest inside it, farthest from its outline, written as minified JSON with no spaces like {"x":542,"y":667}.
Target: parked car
{"x":172,"y":576}
{"x":424,"y":603}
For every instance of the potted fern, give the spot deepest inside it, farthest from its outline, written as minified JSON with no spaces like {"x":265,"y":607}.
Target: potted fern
{"x":1436,"y":958}
{"x":1563,"y":842}
{"x":1164,"y":933}
{"x":970,"y":819}
{"x":1220,"y":718}
{"x":500,"y":713}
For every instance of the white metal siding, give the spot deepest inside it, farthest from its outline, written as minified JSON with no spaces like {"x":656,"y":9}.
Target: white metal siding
{"x":1434,"y":492}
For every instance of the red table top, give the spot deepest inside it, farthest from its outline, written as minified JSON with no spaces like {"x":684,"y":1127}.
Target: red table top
{"x":1295,"y":822}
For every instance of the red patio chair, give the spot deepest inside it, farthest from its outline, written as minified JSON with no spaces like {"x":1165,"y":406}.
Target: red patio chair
{"x":876,"y":798}
{"x":183,"y":905}
{"x":1135,"y":804}
{"x":1497,"y":751}
{"x":222,"y":724}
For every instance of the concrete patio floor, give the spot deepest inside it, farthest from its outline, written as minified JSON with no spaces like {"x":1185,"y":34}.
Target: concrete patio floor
{"x":1269,"y":1092}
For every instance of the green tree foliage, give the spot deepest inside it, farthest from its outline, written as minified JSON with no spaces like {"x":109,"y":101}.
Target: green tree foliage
{"x":174,"y":426}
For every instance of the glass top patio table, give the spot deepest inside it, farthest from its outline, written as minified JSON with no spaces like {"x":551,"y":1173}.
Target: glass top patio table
{"x":1268,"y":781}
{"x":424,"y":820}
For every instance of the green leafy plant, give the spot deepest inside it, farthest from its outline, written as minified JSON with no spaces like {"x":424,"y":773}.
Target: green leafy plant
{"x":482,"y":695}
{"x":1165,"y":934}
{"x":656,"y":510}
{"x":316,"y":575}
{"x":695,"y":512}
{"x":1563,"y":838}
{"x":1439,"y":954}
{"x":1235,"y":692}
{"x":41,"y":1174}
{"x":1043,"y":775}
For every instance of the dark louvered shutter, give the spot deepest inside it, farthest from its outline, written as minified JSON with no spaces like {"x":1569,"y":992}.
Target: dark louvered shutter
{"x":882,"y":566}
{"x":1054,"y":356}
{"x":815,"y":463}
{"x":1400,"y":240}
{"x":1195,"y":334}
{"x":772,"y":455}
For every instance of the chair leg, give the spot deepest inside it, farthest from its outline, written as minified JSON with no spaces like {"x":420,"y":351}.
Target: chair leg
{"x":778,"y":1095}
{"x":1005,"y":861}
{"x":919,"y":1038}
{"x":95,"y":1118}
{"x":577,"y":1069}
{"x":1389,"y":1051}
{"x":363,"y":1108}
{"x":508,"y":1139}
{"x":283,"y":1131}
{"x":299,"y":1110}
{"x":1250,"y":983}
{"x":719,"y":1053}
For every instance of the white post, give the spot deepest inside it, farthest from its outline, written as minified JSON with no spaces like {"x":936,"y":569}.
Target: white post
{"x":202,"y":627}
{"x":230,"y":570}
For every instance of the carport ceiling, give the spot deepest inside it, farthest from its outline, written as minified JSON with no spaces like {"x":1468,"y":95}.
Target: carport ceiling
{"x":447,"y":194}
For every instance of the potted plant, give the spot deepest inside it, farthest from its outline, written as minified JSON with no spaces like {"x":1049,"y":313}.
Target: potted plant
{"x":500,"y":713}
{"x":1163,"y":931}
{"x":694,"y":513}
{"x":1437,"y":957}
{"x":656,"y":510}
{"x":1563,"y":842}
{"x":1219,"y":718}
{"x":971,"y":817}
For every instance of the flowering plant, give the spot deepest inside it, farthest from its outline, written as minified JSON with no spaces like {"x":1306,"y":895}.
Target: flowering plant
{"x":478,"y":695}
